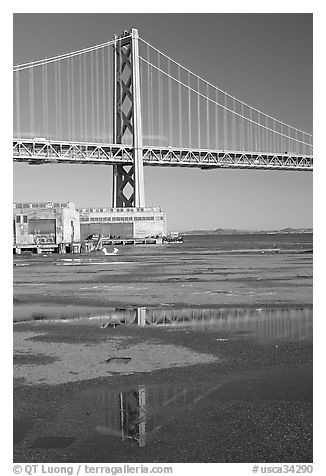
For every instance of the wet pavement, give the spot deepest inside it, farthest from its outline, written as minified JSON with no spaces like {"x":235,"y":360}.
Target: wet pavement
{"x":251,"y":401}
{"x":173,"y":358}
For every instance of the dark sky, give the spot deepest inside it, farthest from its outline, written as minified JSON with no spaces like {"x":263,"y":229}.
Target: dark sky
{"x":262,"y":59}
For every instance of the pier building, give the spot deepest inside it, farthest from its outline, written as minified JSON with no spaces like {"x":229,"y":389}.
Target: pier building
{"x":62,"y":228}
{"x":123,"y":223}
{"x":46,"y":226}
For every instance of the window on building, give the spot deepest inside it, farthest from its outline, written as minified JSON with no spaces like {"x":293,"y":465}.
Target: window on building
{"x":18,"y":219}
{"x":25,"y":220}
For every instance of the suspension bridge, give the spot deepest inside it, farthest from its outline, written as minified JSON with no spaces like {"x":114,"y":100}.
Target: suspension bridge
{"x":128,"y":104}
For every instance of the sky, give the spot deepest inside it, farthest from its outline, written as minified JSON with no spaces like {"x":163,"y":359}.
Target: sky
{"x":263,"y":59}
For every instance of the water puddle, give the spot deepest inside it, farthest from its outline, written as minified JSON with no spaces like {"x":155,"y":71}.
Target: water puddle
{"x":270,"y":323}
{"x":38,"y":312}
{"x":21,"y":427}
{"x":147,"y":415}
{"x":136,"y":415}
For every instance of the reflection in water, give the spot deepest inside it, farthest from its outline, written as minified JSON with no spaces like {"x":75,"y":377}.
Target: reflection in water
{"x":136,"y":415}
{"x":267,"y":323}
{"x":133,"y":415}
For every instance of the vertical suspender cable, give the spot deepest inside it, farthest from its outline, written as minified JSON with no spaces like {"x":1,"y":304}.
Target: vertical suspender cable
{"x":92,"y":96}
{"x":85,"y":99}
{"x":266,"y":134}
{"x":216,"y":120}
{"x":148,"y":98}
{"x":163,"y":137}
{"x":150,"y":119}
{"x":234,"y":142}
{"x":248,"y":124}
{"x":171,"y":142}
{"x":242,"y":127}
{"x":72,"y":99}
{"x":72,"y":88}
{"x":59,"y":100}
{"x":80,"y":99}
{"x":279,"y":142}
{"x":68,"y":99}
{"x":274,"y":138}
{"x":207,"y":117}
{"x":258,"y":132}
{"x":142,"y":96}
{"x":31,"y":98}
{"x":250,"y":130}
{"x":159,"y":78}
{"x":17,"y":104}
{"x":97,"y":96}
{"x":103,"y":98}
{"x":180,"y":112}
{"x":109,"y":104}
{"x":152,"y":106}
{"x":56,"y":93}
{"x":43,"y":133}
{"x":225,"y":125}
{"x":189,"y":111}
{"x":198,"y":110}
{"x":46,"y":103}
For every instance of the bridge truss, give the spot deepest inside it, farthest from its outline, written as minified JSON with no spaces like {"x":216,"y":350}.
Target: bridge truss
{"x":45,"y":152}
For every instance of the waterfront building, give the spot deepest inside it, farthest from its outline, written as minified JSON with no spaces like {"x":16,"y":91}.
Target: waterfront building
{"x":124,"y":223}
{"x":60,"y":227}
{"x":46,"y":226}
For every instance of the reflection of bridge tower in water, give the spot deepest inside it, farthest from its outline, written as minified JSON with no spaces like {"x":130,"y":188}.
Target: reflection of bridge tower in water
{"x":133,"y":415}
{"x":136,"y":415}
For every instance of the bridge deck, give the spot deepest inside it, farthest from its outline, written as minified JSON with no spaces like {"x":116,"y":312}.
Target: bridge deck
{"x":43,"y":152}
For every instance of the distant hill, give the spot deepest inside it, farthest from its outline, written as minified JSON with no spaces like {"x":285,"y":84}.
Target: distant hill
{"x":296,"y":230}
{"x":227,"y":231}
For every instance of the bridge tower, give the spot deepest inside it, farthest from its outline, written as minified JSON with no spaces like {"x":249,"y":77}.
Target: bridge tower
{"x":128,"y":181}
